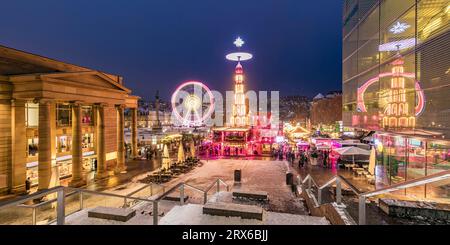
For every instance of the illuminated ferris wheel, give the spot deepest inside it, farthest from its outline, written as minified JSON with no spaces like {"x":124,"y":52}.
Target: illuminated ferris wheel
{"x":192,"y":104}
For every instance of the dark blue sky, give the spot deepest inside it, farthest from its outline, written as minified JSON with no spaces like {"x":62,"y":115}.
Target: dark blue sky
{"x":157,"y":44}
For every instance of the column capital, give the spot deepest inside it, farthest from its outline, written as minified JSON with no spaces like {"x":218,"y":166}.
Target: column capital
{"x":76,"y":103}
{"x":101,"y":104}
{"x":42,"y":100}
{"x":120,"y":106}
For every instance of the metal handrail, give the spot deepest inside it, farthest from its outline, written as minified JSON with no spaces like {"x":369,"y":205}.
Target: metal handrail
{"x":64,"y":192}
{"x":338,"y":179}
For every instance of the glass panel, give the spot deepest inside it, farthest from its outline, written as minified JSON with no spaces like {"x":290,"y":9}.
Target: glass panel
{"x":398,"y":36}
{"x":438,"y":156}
{"x":433,"y":18}
{"x":416,"y":165}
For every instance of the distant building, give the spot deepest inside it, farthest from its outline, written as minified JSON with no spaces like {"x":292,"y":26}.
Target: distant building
{"x":58,"y":121}
{"x":326,"y":110}
{"x":147,"y":115}
{"x":294,"y":109}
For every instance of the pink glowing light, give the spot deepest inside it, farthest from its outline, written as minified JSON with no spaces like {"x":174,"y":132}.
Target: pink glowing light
{"x":420,"y":94}
{"x":199,"y":118}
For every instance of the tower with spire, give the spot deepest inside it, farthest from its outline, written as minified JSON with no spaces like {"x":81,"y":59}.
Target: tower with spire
{"x":239,"y":116}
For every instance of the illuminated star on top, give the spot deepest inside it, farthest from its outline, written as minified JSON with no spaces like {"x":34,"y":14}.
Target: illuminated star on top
{"x":239,"y":42}
{"x":399,"y":28}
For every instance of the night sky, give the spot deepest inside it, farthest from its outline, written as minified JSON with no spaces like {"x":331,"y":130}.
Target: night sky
{"x":157,"y":44}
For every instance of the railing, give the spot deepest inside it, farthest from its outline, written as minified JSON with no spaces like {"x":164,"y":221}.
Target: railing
{"x":181,"y":187}
{"x":362,"y":197}
{"x":65,"y":192}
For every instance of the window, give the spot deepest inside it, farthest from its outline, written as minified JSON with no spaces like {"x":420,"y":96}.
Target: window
{"x":87,"y":117}
{"x":32,"y":149}
{"x":63,"y":115}
{"x":31,"y":114}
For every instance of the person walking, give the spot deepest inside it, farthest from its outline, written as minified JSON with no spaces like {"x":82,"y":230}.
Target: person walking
{"x":28,"y":185}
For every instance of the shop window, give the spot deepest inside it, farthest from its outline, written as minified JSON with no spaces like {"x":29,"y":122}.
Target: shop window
{"x":64,"y":144}
{"x":63,"y":115}
{"x":88,"y":141}
{"x":31,"y":114}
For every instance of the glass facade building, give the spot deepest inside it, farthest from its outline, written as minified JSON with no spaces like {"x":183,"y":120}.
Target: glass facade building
{"x":396,"y":82}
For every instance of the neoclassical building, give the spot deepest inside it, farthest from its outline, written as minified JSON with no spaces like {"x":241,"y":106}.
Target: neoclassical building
{"x":60,"y":124}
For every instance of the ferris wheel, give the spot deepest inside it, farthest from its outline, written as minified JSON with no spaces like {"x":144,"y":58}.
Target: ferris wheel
{"x":192,"y":104}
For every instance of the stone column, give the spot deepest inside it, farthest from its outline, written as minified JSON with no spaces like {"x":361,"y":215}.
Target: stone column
{"x":77,"y":150}
{"x":44,"y":145}
{"x":101,"y":148}
{"x":120,"y":140}
{"x":19,"y":145}
{"x":134,"y":133}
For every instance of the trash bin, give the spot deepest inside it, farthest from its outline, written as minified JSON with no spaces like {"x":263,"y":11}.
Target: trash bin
{"x":237,"y":175}
{"x":289,"y":178}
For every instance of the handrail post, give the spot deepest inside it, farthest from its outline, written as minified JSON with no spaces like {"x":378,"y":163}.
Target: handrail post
{"x":60,"y":209}
{"x":81,"y":200}
{"x":309,"y":183}
{"x":151,"y":189}
{"x":319,"y":196}
{"x":205,"y":197}
{"x":362,"y":210}
{"x":125,"y":202}
{"x":155,"y":213}
{"x":182,"y":194}
{"x":338,"y":191}
{"x":33,"y":222}
{"x":218,"y":185}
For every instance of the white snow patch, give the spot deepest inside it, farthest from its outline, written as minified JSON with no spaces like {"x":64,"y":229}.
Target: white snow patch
{"x":192,"y":214}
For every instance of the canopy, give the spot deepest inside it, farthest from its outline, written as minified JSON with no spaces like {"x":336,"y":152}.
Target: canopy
{"x":351,"y":151}
{"x":181,"y":157}
{"x":372,"y":161}
{"x":166,"y":158}
{"x":192,"y":148}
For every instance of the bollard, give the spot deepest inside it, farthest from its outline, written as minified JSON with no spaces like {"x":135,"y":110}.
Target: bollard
{"x":237,"y":175}
{"x":289,"y":178}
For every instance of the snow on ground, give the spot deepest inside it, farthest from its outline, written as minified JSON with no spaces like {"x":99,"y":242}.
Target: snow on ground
{"x":257,"y":175}
{"x":192,"y":214}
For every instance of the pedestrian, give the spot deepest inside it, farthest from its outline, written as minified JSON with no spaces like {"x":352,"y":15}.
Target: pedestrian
{"x":95,"y":165}
{"x":27,"y":185}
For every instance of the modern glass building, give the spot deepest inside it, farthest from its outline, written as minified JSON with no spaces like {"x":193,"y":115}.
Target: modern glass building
{"x":396,"y":82}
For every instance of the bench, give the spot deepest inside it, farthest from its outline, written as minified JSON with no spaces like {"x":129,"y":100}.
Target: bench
{"x":233,"y":210}
{"x":117,"y":214}
{"x":255,"y":195}
{"x":175,"y":198}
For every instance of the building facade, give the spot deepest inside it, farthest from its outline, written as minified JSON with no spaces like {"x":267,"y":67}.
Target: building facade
{"x":58,"y":122}
{"x":396,"y":82}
